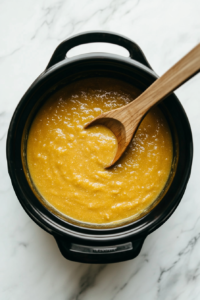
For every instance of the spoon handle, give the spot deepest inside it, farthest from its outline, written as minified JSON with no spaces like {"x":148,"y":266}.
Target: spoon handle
{"x":183,"y":70}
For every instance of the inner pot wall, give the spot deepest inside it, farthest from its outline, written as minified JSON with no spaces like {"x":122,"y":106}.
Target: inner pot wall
{"x":59,"y":85}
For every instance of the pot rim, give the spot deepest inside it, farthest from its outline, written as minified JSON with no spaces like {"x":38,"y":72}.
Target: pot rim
{"x":144,"y":227}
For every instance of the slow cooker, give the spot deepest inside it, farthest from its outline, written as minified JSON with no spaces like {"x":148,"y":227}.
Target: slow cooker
{"x":87,"y":244}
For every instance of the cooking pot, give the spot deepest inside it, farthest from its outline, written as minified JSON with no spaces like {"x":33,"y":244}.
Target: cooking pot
{"x":93,"y":244}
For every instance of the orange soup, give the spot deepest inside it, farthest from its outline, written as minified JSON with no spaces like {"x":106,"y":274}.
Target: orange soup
{"x":67,"y":162}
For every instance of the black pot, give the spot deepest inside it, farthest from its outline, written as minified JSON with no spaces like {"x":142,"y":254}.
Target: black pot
{"x":78,"y":243}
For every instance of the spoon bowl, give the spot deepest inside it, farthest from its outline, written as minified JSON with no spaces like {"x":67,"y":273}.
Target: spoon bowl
{"x":118,"y":127}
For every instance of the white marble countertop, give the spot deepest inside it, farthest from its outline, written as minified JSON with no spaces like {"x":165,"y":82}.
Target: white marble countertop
{"x":31,"y":266}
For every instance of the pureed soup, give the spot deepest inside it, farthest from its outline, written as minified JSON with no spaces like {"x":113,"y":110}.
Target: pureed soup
{"x":67,"y":162}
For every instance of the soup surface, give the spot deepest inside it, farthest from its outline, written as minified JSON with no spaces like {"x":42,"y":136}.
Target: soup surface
{"x":67,"y":163}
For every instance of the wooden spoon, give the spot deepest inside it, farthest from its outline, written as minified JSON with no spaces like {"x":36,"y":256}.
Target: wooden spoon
{"x":124,"y":121}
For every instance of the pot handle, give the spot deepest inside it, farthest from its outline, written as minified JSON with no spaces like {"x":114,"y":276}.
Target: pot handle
{"x":99,"y":254}
{"x":94,"y":37}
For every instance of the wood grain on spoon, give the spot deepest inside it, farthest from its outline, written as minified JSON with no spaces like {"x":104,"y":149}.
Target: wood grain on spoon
{"x":124,"y":121}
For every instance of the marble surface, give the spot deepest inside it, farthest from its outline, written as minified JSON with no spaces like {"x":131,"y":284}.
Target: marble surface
{"x":31,"y":266}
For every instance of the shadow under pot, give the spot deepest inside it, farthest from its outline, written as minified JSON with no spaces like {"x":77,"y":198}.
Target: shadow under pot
{"x":78,"y":241}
